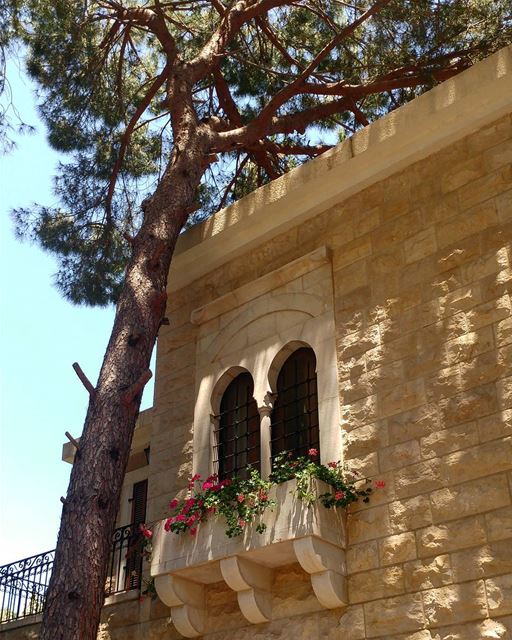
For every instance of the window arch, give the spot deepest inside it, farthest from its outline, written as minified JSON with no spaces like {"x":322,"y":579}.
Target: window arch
{"x":294,"y":420}
{"x":238,"y":429}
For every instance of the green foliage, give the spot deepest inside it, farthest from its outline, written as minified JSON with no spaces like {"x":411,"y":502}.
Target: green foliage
{"x":94,"y":72}
{"x":239,"y":501}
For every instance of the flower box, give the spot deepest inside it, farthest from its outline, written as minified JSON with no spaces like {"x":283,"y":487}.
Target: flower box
{"x":310,"y":534}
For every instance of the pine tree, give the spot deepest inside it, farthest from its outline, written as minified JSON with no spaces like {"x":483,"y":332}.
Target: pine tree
{"x":169,"y":110}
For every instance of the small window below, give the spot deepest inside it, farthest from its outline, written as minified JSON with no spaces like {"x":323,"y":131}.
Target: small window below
{"x":294,"y":422}
{"x":238,"y":429}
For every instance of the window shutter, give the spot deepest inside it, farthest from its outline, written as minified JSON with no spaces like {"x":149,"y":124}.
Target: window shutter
{"x":139,"y":499}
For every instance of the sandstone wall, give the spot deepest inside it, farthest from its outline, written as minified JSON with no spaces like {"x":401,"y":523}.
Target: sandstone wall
{"x":422,"y":281}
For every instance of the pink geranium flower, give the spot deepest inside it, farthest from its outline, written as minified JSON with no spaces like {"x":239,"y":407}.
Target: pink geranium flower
{"x":339,"y":495}
{"x":313,"y":452}
{"x":240,"y":497}
{"x":173,"y":504}
{"x":147,"y":533}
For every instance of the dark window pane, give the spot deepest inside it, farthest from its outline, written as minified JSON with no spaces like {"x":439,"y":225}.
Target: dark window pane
{"x":238,"y":432}
{"x":295,"y":414}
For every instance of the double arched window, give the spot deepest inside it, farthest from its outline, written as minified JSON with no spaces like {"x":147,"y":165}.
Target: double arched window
{"x":294,"y":418}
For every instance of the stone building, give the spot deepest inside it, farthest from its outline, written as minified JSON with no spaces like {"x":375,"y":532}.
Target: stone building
{"x":387,"y":263}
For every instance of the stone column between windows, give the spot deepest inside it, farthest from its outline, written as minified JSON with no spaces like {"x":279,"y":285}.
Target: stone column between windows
{"x":265,"y":412}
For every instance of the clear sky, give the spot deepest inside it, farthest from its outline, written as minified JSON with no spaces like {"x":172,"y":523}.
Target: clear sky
{"x":41,"y":335}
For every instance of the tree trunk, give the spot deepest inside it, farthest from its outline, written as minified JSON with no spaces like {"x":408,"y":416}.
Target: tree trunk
{"x":76,"y":591}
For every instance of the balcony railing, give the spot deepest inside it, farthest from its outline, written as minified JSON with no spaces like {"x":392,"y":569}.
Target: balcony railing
{"x":23,"y":584}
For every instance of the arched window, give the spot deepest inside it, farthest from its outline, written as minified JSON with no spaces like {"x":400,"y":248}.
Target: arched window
{"x":294,"y":422}
{"x":238,"y":429}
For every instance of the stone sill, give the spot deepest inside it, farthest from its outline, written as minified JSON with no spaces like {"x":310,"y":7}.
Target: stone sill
{"x":122,"y":596}
{"x":22,"y":622}
{"x":314,"y":536}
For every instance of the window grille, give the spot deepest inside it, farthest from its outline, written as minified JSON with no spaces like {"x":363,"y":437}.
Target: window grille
{"x":294,"y":422}
{"x":238,"y":429}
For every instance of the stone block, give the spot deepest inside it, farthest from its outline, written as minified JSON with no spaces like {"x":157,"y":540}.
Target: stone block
{"x":451,"y":536}
{"x":369,"y":524}
{"x":410,"y":425}
{"x":503,"y":332}
{"x":479,"y":461}
{"x":373,"y":585}
{"x":351,"y":277}
{"x":496,"y":426}
{"x":504,"y":206}
{"x":428,"y":574}
{"x":463,"y":173}
{"x":489,"y":312}
{"x":499,"y":523}
{"x":492,"y":559}
{"x":442,"y":442}
{"x":481,"y":190}
{"x":359,"y":413}
{"x":351,"y":624}
{"x":504,"y":391}
{"x":358,"y":342}
{"x":366,"y":439}
{"x":386,"y":262}
{"x":399,"y":456}
{"x":498,"y":156}
{"x":418,"y":478}
{"x":485,"y":630}
{"x":471,"y":220}
{"x":455,"y":603}
{"x":499,"y":595}
{"x":468,"y":405}
{"x":420,"y":246}
{"x":462,"y":299}
{"x":397,"y":548}
{"x":411,"y":513}
{"x":406,"y":396}
{"x":351,"y":252}
{"x":396,"y":231}
{"x":362,"y":557}
{"x":458,"y":253}
{"x":394,"y":615}
{"x":470,"y":498}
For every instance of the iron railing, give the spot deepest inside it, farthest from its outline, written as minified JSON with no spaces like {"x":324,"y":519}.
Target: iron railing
{"x":23,"y":584}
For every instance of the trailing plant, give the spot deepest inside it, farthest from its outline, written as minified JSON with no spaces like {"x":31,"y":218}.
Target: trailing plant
{"x":239,"y":501}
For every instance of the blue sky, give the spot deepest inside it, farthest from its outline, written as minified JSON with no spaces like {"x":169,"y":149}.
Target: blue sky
{"x":41,"y":335}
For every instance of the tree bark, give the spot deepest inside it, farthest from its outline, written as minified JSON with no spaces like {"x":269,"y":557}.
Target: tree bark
{"x":76,"y":590}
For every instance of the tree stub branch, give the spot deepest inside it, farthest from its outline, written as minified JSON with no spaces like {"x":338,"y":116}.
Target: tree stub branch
{"x":74,"y":442}
{"x":132,"y":392}
{"x":84,"y":380}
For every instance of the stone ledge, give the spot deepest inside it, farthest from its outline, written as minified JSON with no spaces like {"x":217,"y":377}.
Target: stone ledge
{"x":312,"y":535}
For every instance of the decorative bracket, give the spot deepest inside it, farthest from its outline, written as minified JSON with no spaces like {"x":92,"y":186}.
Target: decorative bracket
{"x":187,"y":601}
{"x":326,"y":564}
{"x":253,"y":583}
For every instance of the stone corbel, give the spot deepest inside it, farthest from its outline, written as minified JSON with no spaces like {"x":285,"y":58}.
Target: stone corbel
{"x":325,"y":563}
{"x":187,"y":601}
{"x":253,"y":584}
